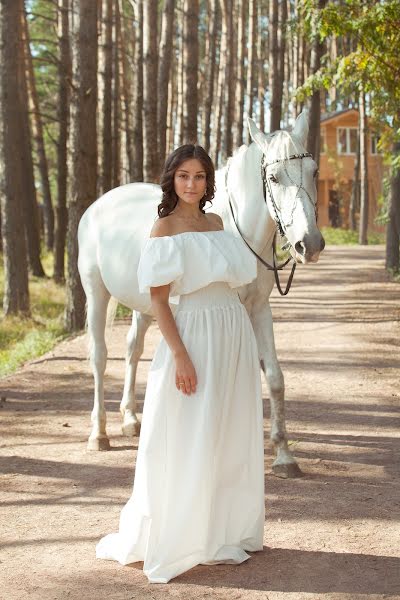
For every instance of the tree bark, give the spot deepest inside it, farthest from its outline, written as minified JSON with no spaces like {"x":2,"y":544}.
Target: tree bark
{"x":273,"y":76}
{"x":151,"y":162}
{"x":116,"y":103}
{"x":137,"y":149}
{"x":251,"y":59}
{"x":107,"y":61}
{"x":393,"y":226}
{"x":240,"y":73}
{"x":64,"y":76}
{"x":127,"y":95}
{"x":210,"y":58}
{"x":166,"y":53}
{"x":221,"y":89}
{"x":355,"y":188}
{"x":83,"y":146}
{"x":37,"y":128}
{"x":25,"y":150}
{"x":314,"y":131}
{"x":226,"y":150}
{"x":364,"y":200}
{"x":191,"y":66}
{"x":16,"y":291}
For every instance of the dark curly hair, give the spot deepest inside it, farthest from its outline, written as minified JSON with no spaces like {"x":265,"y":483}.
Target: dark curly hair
{"x":174,"y":160}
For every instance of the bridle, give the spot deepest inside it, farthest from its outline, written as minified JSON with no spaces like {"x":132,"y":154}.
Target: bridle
{"x":277,"y":216}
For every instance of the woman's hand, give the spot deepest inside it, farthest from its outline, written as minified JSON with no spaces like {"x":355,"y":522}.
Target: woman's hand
{"x":185,"y":373}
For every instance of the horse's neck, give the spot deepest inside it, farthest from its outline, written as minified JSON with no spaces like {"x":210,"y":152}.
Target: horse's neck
{"x":246,"y":195}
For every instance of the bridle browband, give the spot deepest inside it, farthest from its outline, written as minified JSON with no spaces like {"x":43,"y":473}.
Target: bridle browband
{"x":277,"y":216}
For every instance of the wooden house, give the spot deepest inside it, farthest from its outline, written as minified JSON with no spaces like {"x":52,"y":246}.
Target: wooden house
{"x":337,"y":161}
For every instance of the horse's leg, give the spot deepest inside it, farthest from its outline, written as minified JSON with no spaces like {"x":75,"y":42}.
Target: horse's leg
{"x":97,"y":301}
{"x":135,"y":345}
{"x":285,"y":464}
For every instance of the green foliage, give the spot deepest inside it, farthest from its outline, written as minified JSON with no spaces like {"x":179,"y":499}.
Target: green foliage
{"x":337,"y":237}
{"x":24,"y":339}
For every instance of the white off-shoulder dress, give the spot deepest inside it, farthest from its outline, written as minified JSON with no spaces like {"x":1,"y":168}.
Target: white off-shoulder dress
{"x":198,"y":492}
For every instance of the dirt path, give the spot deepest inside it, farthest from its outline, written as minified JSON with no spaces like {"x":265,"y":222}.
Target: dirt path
{"x":332,"y":535}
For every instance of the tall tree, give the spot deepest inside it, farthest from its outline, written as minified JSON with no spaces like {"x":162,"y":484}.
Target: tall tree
{"x":106,"y":60}
{"x":37,"y":128}
{"x":274,"y":82}
{"x":240,"y":72}
{"x":191,"y":66}
{"x":393,"y":225}
{"x":227,"y":10}
{"x":251,"y":59}
{"x":364,"y":201}
{"x":25,"y":149}
{"x":83,"y":145}
{"x":16,"y":291}
{"x":64,"y":77}
{"x":116,"y":103}
{"x":137,"y":127}
{"x":150,"y":51}
{"x":164,"y":70}
{"x":314,"y":131}
{"x":210,"y":58}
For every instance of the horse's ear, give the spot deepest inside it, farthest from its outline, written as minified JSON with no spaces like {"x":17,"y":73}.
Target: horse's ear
{"x":300,"y":128}
{"x":256,"y":135}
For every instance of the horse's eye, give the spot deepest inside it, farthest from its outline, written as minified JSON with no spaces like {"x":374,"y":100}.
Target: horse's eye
{"x":273,"y":179}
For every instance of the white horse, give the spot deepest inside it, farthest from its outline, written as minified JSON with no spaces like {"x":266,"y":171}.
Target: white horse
{"x":114,"y":228}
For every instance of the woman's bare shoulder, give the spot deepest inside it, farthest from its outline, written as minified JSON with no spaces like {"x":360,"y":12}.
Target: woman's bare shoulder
{"x":215,"y":219}
{"x":162,"y":227}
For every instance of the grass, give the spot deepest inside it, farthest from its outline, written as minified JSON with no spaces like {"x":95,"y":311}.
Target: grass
{"x":336,"y":236}
{"x":23,"y":339}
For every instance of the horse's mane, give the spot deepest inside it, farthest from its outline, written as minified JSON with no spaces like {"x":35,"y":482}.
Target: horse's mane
{"x":280,"y":145}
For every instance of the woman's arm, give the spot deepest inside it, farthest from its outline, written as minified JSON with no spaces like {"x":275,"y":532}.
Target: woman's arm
{"x":185,"y":370}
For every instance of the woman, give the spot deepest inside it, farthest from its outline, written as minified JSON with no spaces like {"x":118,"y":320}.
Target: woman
{"x":198,"y":493}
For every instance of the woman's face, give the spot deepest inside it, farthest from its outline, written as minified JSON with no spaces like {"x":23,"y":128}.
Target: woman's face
{"x":190,"y":181}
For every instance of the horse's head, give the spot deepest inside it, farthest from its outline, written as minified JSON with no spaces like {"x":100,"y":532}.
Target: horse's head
{"x":289,"y":174}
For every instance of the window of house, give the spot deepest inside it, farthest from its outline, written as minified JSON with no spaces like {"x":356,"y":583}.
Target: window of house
{"x":374,"y":144}
{"x":347,"y":140}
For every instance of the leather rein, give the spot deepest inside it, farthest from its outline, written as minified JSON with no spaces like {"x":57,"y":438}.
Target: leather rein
{"x":278,"y":220}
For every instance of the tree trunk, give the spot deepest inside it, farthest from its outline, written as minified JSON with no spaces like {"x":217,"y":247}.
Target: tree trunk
{"x":64,"y":76}
{"x":261,"y":72}
{"x":251,"y":60}
{"x":39,"y":141}
{"x":355,"y":188}
{"x":226,"y":150}
{"x":127,"y":96}
{"x":273,"y":78}
{"x":210,"y":58}
{"x":28,"y":179}
{"x":363,"y":232}
{"x":116,"y":103}
{"x":240,"y":73}
{"x":166,"y":53}
{"x":393,"y":226}
{"x":16,"y":291}
{"x":180,"y":71}
{"x":106,"y":115}
{"x":83,"y":146}
{"x":314,"y":131}
{"x":191,"y":66}
{"x":221,"y":88}
{"x":137,"y":149}
{"x":151,"y":162}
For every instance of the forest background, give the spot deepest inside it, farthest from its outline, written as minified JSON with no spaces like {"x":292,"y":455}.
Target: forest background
{"x":96,"y":93}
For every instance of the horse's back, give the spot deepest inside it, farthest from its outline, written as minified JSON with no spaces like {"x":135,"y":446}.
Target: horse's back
{"x":111,"y":234}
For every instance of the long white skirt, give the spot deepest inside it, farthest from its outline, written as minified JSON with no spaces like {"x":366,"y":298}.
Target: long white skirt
{"x":198,"y":492}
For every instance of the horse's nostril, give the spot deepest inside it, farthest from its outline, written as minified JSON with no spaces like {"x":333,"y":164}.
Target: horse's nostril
{"x":322,"y":244}
{"x":300,"y":249}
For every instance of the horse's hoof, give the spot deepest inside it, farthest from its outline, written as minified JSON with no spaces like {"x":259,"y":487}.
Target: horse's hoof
{"x":131,"y":429}
{"x":99,"y":444}
{"x":287,"y":471}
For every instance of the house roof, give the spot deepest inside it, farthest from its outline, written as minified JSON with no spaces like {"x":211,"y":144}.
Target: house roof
{"x":338,"y":113}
